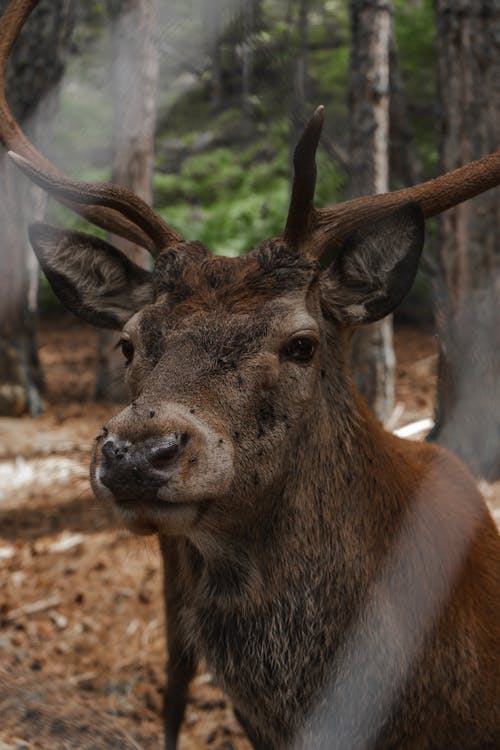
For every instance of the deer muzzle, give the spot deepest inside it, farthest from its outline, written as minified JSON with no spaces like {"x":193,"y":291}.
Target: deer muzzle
{"x":137,"y":471}
{"x":157,"y":469}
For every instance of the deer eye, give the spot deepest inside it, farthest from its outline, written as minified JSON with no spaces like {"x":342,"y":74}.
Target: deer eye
{"x":127,"y":348}
{"x":300,"y":349}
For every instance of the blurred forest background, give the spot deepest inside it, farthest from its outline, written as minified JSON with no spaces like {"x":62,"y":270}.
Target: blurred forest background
{"x":197,"y":104}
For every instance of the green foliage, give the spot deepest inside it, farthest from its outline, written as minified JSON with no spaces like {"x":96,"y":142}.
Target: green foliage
{"x":329,"y":69}
{"x":223,"y":176}
{"x":415,"y":35}
{"x":331,"y":182}
{"x":230,"y":202}
{"x":234,"y":226}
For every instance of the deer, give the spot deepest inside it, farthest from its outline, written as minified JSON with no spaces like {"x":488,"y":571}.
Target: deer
{"x":342,"y":584}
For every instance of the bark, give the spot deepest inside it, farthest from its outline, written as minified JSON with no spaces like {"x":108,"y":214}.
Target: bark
{"x":372,"y":350}
{"x":32,"y":93}
{"x":134,"y":83}
{"x":20,"y":372}
{"x":468,"y":285}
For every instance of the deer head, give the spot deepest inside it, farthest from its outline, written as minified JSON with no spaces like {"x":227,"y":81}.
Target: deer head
{"x":232,"y":364}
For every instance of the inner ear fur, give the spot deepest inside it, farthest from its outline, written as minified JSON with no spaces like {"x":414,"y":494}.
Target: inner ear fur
{"x":92,"y":278}
{"x":375,"y":268}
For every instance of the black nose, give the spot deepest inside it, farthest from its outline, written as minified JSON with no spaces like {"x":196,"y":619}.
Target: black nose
{"x":135,"y":471}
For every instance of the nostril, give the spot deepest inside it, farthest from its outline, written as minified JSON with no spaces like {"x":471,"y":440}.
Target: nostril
{"x":107,"y":449}
{"x":164,"y":454}
{"x":113,"y":451}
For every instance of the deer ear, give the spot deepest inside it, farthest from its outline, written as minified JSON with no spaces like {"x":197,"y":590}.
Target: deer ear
{"x":375,"y":268}
{"x":91,"y":278}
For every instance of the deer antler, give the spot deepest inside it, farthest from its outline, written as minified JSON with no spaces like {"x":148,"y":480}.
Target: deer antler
{"x":301,"y":209}
{"x":111,"y":207}
{"x":317,"y":230}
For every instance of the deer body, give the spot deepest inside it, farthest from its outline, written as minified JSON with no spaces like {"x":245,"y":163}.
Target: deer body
{"x":315,"y":593}
{"x":293,"y":637}
{"x":343,"y":585}
{"x":292,"y":604}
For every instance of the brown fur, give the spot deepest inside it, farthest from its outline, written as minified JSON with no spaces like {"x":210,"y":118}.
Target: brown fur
{"x":343,"y":584}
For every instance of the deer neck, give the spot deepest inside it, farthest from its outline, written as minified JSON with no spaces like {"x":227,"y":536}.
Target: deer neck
{"x":317,"y":520}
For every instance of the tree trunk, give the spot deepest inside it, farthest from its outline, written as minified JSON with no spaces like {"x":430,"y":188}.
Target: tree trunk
{"x":372,"y":350}
{"x":33,"y":98}
{"x":134,"y":77}
{"x":20,"y":372}
{"x":468,"y":286}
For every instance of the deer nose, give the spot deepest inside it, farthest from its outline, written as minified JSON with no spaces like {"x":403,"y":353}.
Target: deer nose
{"x":114,"y":449}
{"x":137,"y":470}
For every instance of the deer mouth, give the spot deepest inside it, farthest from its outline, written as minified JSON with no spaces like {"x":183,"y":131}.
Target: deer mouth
{"x":156,"y":515}
{"x":166,"y":480}
{"x":148,"y":506}
{"x":154,"y":504}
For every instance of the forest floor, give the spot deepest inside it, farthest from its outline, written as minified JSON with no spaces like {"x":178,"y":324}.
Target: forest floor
{"x":82,"y":647}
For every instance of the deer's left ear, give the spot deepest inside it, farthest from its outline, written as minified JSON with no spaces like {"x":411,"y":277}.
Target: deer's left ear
{"x":375,"y":268}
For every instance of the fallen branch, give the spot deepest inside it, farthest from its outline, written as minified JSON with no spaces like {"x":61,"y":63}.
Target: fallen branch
{"x":31,"y":609}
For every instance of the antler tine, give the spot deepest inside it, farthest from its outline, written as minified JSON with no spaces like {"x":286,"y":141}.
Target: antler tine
{"x":318,"y":230}
{"x":119,"y":211}
{"x":332,"y":226}
{"x":104,"y":194}
{"x":304,"y":181}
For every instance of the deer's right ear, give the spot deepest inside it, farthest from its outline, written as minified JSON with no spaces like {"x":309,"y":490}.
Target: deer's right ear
{"x":91,"y":278}
{"x":375,"y":268}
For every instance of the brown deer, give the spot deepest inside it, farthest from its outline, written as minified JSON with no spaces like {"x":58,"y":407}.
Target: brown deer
{"x":342,"y":584}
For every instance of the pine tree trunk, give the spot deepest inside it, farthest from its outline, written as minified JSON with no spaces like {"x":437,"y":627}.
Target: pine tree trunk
{"x":135,"y":77}
{"x":372,"y":350}
{"x":468,"y":287}
{"x":31,"y":91}
{"x":20,"y":372}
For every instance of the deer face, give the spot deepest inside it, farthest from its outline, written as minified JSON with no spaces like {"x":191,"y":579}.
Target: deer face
{"x":224,"y":362}
{"x":221,"y":366}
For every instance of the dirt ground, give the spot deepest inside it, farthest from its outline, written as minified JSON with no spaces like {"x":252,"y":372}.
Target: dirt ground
{"x":82,"y":648}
